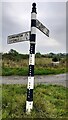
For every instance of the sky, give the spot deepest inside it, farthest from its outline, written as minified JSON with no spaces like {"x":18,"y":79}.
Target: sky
{"x":16,"y":18}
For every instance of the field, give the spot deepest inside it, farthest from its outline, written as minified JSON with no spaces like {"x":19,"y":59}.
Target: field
{"x":50,"y":101}
{"x":14,"y":63}
{"x":43,"y":66}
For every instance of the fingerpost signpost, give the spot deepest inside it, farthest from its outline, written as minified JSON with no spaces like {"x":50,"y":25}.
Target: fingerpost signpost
{"x":31,"y":37}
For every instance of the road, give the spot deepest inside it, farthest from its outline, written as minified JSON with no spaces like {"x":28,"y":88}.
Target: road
{"x":60,"y":79}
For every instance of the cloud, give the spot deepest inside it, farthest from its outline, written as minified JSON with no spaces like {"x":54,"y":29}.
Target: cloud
{"x":43,"y":40}
{"x":34,"y":1}
{"x":52,"y":42}
{"x":16,"y":18}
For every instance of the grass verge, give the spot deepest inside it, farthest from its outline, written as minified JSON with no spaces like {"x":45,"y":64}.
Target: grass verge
{"x":49,"y":102}
{"x":38,"y":71}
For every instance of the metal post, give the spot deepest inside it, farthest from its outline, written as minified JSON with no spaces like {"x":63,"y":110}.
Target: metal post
{"x":30,"y":86}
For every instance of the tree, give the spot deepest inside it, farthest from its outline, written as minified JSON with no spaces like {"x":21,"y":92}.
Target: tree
{"x":13,"y":52}
{"x":55,"y":59}
{"x":38,"y":54}
{"x":13,"y":55}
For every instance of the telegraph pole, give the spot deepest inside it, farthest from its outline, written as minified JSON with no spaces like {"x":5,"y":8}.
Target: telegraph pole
{"x":30,"y":86}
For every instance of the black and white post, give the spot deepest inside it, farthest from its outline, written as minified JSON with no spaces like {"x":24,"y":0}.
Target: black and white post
{"x":30,"y":86}
{"x":31,"y":37}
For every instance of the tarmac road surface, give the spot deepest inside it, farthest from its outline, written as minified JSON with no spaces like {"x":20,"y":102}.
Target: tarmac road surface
{"x":60,"y":79}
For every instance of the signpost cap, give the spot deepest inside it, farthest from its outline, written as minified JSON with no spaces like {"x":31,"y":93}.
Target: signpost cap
{"x":34,"y":7}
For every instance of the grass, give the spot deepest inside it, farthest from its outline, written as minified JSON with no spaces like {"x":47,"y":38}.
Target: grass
{"x":14,"y":71}
{"x":38,"y":71}
{"x":43,"y":66}
{"x":49,"y":102}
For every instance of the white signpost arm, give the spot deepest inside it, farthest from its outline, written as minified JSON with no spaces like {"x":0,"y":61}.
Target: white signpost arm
{"x":42,"y":28}
{"x":25,"y":36}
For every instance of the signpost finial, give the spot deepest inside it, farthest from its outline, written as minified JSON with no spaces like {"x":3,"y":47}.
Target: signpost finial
{"x":34,"y":7}
{"x":34,"y":4}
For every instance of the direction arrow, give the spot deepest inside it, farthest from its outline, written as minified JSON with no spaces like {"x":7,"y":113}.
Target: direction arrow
{"x":42,"y":28}
{"x":25,"y":36}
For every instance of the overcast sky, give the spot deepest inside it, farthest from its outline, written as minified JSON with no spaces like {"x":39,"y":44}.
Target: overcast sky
{"x":16,"y":18}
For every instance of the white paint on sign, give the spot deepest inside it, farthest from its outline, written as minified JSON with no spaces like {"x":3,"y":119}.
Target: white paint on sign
{"x":33,"y":30}
{"x":25,"y":36}
{"x":30,"y":82}
{"x":29,"y":105}
{"x":31,"y":59}
{"x":33,"y":15}
{"x":42,"y":28}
